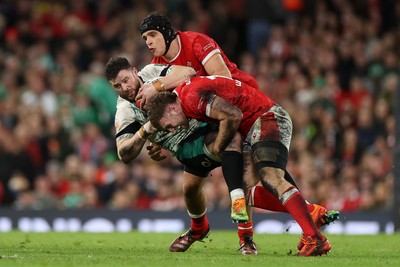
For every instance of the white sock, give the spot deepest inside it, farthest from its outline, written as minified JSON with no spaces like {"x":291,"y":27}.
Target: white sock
{"x":236,"y":193}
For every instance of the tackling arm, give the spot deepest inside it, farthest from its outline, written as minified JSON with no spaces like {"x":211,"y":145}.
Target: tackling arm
{"x":176,"y":76}
{"x":129,"y":147}
{"x":229,"y":118}
{"x":216,"y":66}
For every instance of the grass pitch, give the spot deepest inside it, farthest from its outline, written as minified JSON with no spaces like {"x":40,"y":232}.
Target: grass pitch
{"x":220,"y":249}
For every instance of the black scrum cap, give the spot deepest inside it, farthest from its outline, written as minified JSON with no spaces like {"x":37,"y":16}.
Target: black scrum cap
{"x":160,"y":23}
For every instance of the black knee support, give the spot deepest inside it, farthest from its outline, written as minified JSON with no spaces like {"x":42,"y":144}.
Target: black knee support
{"x":270,"y":154}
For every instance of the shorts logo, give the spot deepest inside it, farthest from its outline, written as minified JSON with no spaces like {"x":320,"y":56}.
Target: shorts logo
{"x":255,"y":136}
{"x":206,"y":163}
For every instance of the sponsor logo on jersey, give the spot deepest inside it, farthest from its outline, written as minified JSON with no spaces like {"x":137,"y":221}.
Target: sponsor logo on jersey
{"x":208,"y":46}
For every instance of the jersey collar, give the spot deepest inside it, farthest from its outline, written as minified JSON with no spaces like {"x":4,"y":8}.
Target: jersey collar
{"x":178,"y":38}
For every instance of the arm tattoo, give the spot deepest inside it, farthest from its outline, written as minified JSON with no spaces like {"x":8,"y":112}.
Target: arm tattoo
{"x":230,"y":126}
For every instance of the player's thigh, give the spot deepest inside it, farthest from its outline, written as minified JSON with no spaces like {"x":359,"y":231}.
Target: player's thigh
{"x":192,"y":182}
{"x":275,"y":125}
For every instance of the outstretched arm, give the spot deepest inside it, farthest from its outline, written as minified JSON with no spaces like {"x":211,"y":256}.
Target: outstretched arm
{"x":177,"y":75}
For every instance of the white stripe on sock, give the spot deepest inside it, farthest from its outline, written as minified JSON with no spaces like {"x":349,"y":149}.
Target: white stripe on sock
{"x":195,"y":216}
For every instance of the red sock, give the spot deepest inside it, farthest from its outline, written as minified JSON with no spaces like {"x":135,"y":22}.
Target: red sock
{"x":297,"y":207}
{"x":199,"y":224}
{"x":260,"y":197}
{"x":310,"y":207}
{"x":245,"y":228}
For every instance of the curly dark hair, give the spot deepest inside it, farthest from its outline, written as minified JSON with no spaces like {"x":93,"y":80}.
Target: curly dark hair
{"x":114,"y":66}
{"x":157,"y":105}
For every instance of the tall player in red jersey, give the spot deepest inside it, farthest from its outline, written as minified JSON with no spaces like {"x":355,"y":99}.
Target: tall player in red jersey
{"x":192,"y":49}
{"x":204,"y":55}
{"x":264,"y":125}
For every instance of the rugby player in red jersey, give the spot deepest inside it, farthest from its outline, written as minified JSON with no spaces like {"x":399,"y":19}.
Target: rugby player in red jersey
{"x":265,"y":127}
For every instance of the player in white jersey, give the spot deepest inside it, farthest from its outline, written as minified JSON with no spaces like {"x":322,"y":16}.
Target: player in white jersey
{"x":188,"y":145}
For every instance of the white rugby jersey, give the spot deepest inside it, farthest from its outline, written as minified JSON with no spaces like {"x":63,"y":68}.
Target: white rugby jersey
{"x":128,"y":113}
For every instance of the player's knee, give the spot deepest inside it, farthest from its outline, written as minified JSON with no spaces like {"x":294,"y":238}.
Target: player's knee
{"x":272,"y":153}
{"x":271,"y":176}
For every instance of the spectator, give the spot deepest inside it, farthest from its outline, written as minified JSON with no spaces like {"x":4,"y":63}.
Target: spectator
{"x":334,"y":64}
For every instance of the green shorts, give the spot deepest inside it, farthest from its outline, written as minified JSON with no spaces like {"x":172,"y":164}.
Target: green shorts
{"x":194,"y":155}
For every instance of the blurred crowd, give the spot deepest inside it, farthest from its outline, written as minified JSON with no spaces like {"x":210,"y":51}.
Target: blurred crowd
{"x":334,"y":65}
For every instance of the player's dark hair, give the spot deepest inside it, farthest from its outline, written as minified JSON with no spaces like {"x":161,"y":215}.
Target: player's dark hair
{"x":157,"y":105}
{"x":114,"y":66}
{"x":158,"y":22}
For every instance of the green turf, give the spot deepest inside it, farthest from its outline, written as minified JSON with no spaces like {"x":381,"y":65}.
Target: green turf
{"x":220,"y":249}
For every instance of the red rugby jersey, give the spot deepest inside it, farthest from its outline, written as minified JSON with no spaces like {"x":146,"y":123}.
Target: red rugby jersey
{"x":197,"y":93}
{"x":195,"y":49}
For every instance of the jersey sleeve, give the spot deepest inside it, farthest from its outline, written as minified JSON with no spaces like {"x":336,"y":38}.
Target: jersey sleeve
{"x":204,"y":47}
{"x":123,"y":116}
{"x":153,"y":71}
{"x":124,"y":119}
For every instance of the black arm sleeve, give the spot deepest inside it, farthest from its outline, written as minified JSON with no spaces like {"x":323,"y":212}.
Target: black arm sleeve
{"x":131,"y":129}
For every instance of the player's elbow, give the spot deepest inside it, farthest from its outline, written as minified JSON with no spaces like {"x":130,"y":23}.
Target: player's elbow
{"x":222,"y":72}
{"x":238,"y":114}
{"x":125,"y":160}
{"x":125,"y":156}
{"x":236,"y":117}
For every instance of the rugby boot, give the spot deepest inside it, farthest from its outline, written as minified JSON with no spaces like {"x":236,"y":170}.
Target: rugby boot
{"x":321,"y":217}
{"x":238,"y":211}
{"x":247,"y":245}
{"x":184,"y":241}
{"x":313,"y":246}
